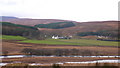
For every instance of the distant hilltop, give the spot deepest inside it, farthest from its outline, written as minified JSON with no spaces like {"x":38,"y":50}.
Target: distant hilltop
{"x":33,"y":22}
{"x":30,"y":22}
{"x":7,"y":17}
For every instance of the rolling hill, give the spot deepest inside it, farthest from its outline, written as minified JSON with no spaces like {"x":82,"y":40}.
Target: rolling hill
{"x":86,"y":27}
{"x":29,"y":22}
{"x":21,"y":30}
{"x":109,"y":27}
{"x":4,"y":18}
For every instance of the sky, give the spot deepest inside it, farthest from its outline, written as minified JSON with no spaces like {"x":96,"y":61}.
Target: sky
{"x":76,"y":10}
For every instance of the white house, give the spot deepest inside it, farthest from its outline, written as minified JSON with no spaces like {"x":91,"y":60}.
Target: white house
{"x":102,"y":37}
{"x":57,"y":37}
{"x":53,"y":37}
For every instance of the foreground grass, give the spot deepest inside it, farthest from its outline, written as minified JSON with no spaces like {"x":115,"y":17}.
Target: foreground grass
{"x":81,"y":42}
{"x":9,"y":37}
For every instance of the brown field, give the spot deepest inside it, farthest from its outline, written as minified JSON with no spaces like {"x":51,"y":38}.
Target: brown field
{"x":15,"y":48}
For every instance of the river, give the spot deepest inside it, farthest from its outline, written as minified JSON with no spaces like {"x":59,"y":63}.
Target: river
{"x":18,"y":56}
{"x":32,"y":64}
{"x":86,"y":62}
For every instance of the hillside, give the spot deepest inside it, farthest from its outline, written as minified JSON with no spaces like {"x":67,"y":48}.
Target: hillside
{"x":21,"y":30}
{"x":57,"y":25}
{"x":50,"y":28}
{"x":87,"y":27}
{"x":29,"y":22}
{"x":4,"y":18}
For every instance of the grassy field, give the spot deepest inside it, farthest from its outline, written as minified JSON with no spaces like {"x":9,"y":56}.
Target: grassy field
{"x":9,"y":37}
{"x":81,"y":42}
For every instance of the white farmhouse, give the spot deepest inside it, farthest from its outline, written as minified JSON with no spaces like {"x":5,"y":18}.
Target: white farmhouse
{"x":53,"y":37}
{"x":57,"y":37}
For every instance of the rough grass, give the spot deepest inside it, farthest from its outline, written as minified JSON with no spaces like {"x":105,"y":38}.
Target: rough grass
{"x":17,"y":64}
{"x":73,"y":42}
{"x":9,"y":37}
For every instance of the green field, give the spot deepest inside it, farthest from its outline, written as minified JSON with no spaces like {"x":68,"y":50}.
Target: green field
{"x":0,"y":36}
{"x":9,"y":37}
{"x":81,"y":42}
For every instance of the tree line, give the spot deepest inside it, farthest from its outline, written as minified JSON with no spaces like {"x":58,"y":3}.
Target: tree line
{"x":57,"y":25}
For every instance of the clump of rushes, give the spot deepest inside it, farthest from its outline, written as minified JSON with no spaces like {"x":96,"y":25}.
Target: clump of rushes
{"x":105,"y":65}
{"x":55,"y":66}
{"x":16,"y":65}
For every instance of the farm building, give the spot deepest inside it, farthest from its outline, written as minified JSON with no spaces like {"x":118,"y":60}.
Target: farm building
{"x":57,"y":37}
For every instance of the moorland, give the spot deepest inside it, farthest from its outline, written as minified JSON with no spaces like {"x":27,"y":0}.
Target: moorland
{"x":34,"y":37}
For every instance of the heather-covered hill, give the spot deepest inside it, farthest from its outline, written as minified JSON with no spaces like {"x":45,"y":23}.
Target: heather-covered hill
{"x":29,"y":22}
{"x":52,"y":27}
{"x":105,"y":28}
{"x":87,"y":27}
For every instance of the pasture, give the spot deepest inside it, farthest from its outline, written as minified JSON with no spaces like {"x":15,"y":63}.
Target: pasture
{"x":82,"y":42}
{"x":9,"y":37}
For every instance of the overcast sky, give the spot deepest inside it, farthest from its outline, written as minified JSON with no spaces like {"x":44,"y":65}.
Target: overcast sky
{"x":77,"y":10}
